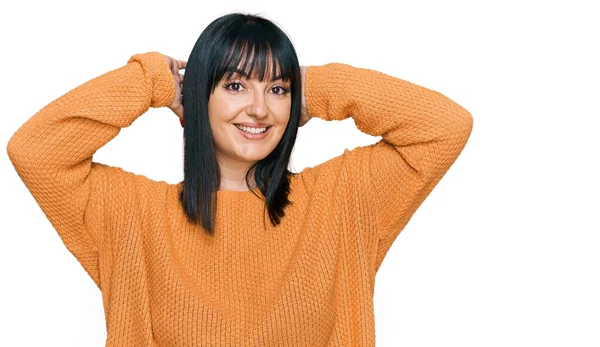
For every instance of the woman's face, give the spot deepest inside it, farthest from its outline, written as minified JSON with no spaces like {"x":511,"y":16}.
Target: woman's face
{"x":242,"y":101}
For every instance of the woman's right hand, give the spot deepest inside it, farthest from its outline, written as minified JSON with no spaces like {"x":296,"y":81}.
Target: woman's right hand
{"x":176,"y":65}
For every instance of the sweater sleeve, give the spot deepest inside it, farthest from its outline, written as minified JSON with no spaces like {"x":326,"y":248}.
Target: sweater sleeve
{"x":422,"y":131}
{"x":52,"y":152}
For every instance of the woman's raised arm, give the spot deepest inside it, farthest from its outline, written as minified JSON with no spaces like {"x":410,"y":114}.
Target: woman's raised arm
{"x":422,"y":131}
{"x":52,"y":152}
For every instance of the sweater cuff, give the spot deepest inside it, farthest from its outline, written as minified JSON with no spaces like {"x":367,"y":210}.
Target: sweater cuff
{"x":159,"y":77}
{"x":324,"y":90}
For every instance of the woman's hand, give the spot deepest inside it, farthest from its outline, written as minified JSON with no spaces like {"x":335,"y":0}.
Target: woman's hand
{"x":304,"y":117}
{"x":176,"y":65}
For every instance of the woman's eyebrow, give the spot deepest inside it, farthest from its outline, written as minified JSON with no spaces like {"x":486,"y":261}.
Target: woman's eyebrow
{"x":234,"y":72}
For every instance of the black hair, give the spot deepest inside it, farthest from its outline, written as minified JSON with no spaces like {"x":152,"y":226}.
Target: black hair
{"x":252,"y":43}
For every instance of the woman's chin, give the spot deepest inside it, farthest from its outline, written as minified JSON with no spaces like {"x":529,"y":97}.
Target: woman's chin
{"x":252,"y":157}
{"x":253,"y":151}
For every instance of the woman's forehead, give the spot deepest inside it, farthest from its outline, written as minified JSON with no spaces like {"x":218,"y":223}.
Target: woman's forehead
{"x":252,"y":66}
{"x":246,"y":74}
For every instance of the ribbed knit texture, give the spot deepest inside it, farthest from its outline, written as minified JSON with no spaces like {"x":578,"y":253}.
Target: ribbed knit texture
{"x":307,"y":282}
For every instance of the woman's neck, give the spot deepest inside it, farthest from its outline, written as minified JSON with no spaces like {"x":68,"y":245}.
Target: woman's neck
{"x":234,"y":179}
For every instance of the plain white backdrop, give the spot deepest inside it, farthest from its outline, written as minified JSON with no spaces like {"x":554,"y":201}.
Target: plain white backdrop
{"x":504,"y":251}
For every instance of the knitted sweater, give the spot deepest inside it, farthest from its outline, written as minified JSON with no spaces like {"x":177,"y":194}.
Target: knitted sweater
{"x":307,"y":282}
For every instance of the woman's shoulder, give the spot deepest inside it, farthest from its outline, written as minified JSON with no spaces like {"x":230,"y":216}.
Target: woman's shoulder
{"x":330,"y":174}
{"x":123,"y":186}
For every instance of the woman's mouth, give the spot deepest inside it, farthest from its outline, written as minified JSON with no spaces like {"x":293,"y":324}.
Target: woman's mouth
{"x":252,"y":133}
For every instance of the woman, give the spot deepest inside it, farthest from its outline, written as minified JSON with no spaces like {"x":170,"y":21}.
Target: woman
{"x":197,"y":263}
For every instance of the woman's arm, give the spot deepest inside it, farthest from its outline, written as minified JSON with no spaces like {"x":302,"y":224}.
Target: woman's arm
{"x":52,"y":152}
{"x":422,"y":131}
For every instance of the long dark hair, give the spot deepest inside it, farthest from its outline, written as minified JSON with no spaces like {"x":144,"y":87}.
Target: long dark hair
{"x":225,"y":43}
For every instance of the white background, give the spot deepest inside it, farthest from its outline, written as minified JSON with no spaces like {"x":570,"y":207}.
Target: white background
{"x":504,"y":251}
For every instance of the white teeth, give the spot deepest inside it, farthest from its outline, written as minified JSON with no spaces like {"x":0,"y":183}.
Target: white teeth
{"x":251,"y":130}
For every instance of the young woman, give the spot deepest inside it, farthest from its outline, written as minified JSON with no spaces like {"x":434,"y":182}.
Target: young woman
{"x":242,"y":252}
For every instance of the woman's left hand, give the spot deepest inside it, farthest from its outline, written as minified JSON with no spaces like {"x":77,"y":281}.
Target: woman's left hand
{"x":304,"y":117}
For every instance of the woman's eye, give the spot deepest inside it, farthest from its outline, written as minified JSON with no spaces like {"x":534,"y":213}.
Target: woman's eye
{"x":236,"y":86}
{"x":281,"y":90}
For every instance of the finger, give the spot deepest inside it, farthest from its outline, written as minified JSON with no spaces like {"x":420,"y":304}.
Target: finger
{"x":180,"y":111}
{"x":181,"y":64}
{"x":181,"y":77}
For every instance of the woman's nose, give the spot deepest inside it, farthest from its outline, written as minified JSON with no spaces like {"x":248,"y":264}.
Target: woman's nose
{"x":258,"y":106}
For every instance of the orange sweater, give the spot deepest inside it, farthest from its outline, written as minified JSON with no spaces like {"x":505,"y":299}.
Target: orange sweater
{"x":307,"y":282}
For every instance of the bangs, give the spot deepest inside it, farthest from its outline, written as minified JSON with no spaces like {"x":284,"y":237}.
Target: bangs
{"x":254,"y":58}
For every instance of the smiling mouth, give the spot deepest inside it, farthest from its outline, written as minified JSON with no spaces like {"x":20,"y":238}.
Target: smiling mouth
{"x":251,"y":130}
